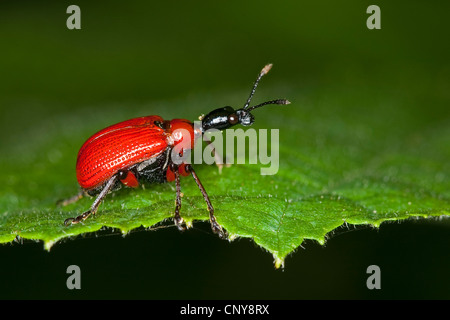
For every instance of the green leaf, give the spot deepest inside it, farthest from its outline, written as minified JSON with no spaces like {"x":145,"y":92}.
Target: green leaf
{"x":364,"y":163}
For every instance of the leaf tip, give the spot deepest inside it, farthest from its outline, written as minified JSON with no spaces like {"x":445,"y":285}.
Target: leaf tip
{"x":189,"y":224}
{"x":48,"y":245}
{"x":376,"y":224}
{"x":279,"y":263}
{"x":232,"y":237}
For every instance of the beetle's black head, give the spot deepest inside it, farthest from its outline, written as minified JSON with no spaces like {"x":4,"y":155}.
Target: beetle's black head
{"x":226,"y":117}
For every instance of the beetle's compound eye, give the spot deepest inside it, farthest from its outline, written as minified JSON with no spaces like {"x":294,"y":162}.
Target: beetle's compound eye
{"x":233,"y":118}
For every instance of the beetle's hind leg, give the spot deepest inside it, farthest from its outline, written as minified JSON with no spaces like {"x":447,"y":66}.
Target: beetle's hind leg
{"x":215,"y":226}
{"x":108,"y":187}
{"x":177,"y":217}
{"x":72,"y":199}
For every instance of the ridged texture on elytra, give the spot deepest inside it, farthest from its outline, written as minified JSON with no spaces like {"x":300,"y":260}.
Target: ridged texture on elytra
{"x":118,"y":147}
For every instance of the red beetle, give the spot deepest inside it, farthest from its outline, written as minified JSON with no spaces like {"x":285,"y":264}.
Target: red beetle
{"x":140,"y":150}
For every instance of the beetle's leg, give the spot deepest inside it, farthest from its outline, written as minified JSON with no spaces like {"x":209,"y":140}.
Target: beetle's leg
{"x":108,"y":186}
{"x":75,"y":198}
{"x":177,"y":218}
{"x":219,"y":160}
{"x":215,"y":226}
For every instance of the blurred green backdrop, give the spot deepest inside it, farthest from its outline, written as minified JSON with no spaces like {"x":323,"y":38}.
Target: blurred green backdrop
{"x":130,"y":55}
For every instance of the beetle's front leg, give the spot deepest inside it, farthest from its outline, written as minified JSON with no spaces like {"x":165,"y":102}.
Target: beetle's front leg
{"x":177,"y":218}
{"x":219,"y":159}
{"x":108,"y":186}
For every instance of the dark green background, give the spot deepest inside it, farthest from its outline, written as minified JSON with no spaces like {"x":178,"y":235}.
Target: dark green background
{"x":130,"y":55}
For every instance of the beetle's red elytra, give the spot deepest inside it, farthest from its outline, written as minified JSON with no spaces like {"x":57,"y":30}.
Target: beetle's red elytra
{"x":139,"y":151}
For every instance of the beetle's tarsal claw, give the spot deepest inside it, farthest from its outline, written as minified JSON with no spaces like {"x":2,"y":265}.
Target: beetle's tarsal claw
{"x":217,"y":229}
{"x":69,"y":221}
{"x":221,"y":165}
{"x":78,"y":219}
{"x":222,"y":234}
{"x":179,"y":223}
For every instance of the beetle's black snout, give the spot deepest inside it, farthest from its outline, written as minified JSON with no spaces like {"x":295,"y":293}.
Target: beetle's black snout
{"x":245,"y":117}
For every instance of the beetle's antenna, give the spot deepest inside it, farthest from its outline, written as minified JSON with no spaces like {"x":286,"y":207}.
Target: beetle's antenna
{"x":278,"y":101}
{"x":264,"y":71}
